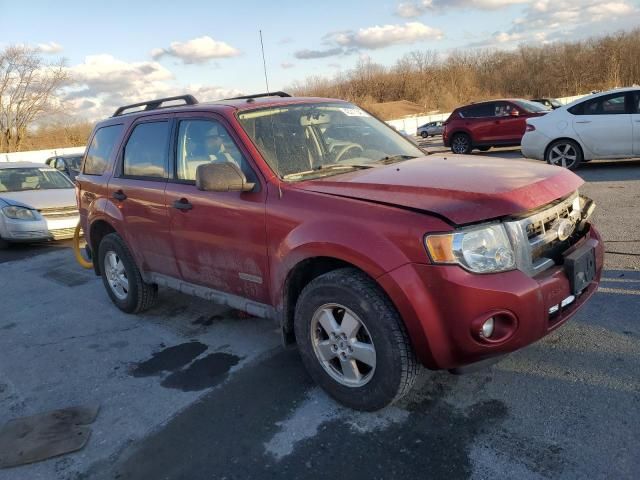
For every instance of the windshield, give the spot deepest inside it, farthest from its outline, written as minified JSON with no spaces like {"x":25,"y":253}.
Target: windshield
{"x":322,"y":139}
{"x":21,"y":179}
{"x":530,"y":106}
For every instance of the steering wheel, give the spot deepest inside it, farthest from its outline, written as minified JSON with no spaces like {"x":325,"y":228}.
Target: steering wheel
{"x":345,"y":149}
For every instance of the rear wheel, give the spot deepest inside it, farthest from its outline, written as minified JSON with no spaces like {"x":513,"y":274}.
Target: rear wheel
{"x":461,"y":143}
{"x":122,"y":278}
{"x":352,"y":340}
{"x":564,"y":153}
{"x":424,"y":134}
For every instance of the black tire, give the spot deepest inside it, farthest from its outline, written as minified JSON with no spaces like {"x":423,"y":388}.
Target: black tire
{"x":484,"y":149}
{"x":461,"y":144}
{"x":564,"y":153}
{"x":424,"y":134}
{"x":140,"y":296}
{"x":3,"y":244}
{"x":396,"y":366}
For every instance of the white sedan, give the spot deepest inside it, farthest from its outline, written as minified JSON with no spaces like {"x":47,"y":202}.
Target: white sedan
{"x":37,"y":203}
{"x":604,"y":125}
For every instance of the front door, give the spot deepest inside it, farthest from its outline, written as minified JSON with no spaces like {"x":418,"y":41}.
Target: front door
{"x":219,"y":238}
{"x":137,"y":191}
{"x":509,"y":123}
{"x":604,"y":125}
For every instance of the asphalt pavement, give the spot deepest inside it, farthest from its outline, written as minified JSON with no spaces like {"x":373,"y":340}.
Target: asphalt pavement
{"x":192,"y":390}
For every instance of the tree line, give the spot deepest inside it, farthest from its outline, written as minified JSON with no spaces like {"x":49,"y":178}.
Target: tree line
{"x":441,"y":83}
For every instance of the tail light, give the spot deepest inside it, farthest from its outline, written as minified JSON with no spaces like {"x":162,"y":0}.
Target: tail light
{"x":530,"y":128}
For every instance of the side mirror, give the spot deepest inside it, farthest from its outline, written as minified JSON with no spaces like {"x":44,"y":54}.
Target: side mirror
{"x":222,"y":177}
{"x":61,"y":165}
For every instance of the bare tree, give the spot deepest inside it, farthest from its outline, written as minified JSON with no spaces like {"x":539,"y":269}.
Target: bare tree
{"x":27,"y":90}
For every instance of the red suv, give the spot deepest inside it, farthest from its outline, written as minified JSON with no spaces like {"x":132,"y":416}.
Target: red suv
{"x":371,"y":256}
{"x":498,"y":123}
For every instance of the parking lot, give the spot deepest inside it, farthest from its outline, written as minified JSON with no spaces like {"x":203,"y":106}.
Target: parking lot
{"x":193,"y":390}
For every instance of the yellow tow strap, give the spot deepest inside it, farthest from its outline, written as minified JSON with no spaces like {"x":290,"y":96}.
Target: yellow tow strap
{"x":84,"y":263}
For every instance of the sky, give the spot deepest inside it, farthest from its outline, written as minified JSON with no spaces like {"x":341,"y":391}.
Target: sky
{"x":119,"y":52}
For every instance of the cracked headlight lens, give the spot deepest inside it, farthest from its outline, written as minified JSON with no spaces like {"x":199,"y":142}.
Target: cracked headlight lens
{"x":481,"y":250}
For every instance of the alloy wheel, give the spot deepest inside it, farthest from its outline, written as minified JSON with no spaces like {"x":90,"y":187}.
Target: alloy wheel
{"x":563,"y":155}
{"x":343,"y":345}
{"x":460,"y":144}
{"x":116,"y":275}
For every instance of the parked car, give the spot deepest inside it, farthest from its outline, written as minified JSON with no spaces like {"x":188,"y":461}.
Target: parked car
{"x":372,"y":257}
{"x":603,"y":125}
{"x":431,"y":128}
{"x":37,"y":203}
{"x":550,"y":103}
{"x":497,"y":123}
{"x":67,"y":164}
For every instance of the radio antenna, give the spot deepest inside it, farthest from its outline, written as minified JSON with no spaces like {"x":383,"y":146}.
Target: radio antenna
{"x":264,"y":63}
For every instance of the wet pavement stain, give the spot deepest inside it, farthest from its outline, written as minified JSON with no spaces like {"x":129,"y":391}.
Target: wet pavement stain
{"x":8,"y":326}
{"x":204,"y":373}
{"x":168,"y":360}
{"x":207,"y":321}
{"x":66,"y":277}
{"x":223,"y":436}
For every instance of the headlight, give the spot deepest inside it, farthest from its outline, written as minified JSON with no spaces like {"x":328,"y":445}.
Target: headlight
{"x":19,"y":213}
{"x":481,"y":250}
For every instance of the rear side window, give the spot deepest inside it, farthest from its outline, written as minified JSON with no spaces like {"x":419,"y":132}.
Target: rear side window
{"x":145,"y":154}
{"x":606,"y":105}
{"x":100,"y":149}
{"x":479,"y":111}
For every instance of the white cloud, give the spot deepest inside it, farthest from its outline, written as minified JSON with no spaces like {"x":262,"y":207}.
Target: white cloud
{"x":50,"y":47}
{"x":546,"y":21}
{"x":385,"y":35}
{"x":197,"y":50}
{"x":414,"y":9}
{"x":102,"y":83}
{"x":287,"y":65}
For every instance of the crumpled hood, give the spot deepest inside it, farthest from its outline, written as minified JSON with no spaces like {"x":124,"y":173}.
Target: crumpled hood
{"x":39,"y":199}
{"x":462,"y":188}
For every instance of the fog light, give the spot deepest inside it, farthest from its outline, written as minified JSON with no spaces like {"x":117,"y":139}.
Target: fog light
{"x":487,"y":328}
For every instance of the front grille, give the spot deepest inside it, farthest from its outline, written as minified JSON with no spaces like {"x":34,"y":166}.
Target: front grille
{"x":62,"y":233}
{"x":538,"y":237}
{"x":59,"y":212}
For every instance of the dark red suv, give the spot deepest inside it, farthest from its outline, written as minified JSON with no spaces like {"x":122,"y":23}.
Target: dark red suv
{"x":371,"y":256}
{"x":497,"y":123}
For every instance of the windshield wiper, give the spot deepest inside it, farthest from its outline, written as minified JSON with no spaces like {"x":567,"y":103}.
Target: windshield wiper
{"x":395,"y":158}
{"x":327,"y":168}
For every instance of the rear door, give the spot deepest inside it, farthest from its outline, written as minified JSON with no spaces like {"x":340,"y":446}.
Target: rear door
{"x":635,"y":115}
{"x":219,"y":238}
{"x":137,"y":189}
{"x":478,"y":119}
{"x":604,"y":124}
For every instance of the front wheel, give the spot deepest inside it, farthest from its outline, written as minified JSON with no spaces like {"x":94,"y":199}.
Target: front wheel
{"x":122,"y":278}
{"x":564,"y":153}
{"x":424,"y":134}
{"x":352,"y":340}
{"x":461,"y":143}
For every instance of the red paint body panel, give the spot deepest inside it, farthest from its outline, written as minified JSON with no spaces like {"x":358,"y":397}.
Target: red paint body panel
{"x":464,"y":189}
{"x":373,"y":219}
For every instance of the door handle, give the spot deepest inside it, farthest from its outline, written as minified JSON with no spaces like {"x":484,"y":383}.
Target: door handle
{"x":182,"y":204}
{"x":119,"y":195}
{"x":583,"y":121}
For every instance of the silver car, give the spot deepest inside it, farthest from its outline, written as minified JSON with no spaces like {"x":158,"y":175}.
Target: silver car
{"x":37,"y":203}
{"x":430,"y":129}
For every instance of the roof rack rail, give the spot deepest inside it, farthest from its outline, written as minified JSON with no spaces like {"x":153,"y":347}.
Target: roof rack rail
{"x":259,"y":95}
{"x":154,"y":104}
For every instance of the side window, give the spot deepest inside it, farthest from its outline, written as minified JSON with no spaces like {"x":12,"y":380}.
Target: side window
{"x":502,"y":109}
{"x":607,"y":105}
{"x":100,"y":149}
{"x":636,"y":102}
{"x":205,"y":141}
{"x":479,"y":111}
{"x":145,"y":154}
